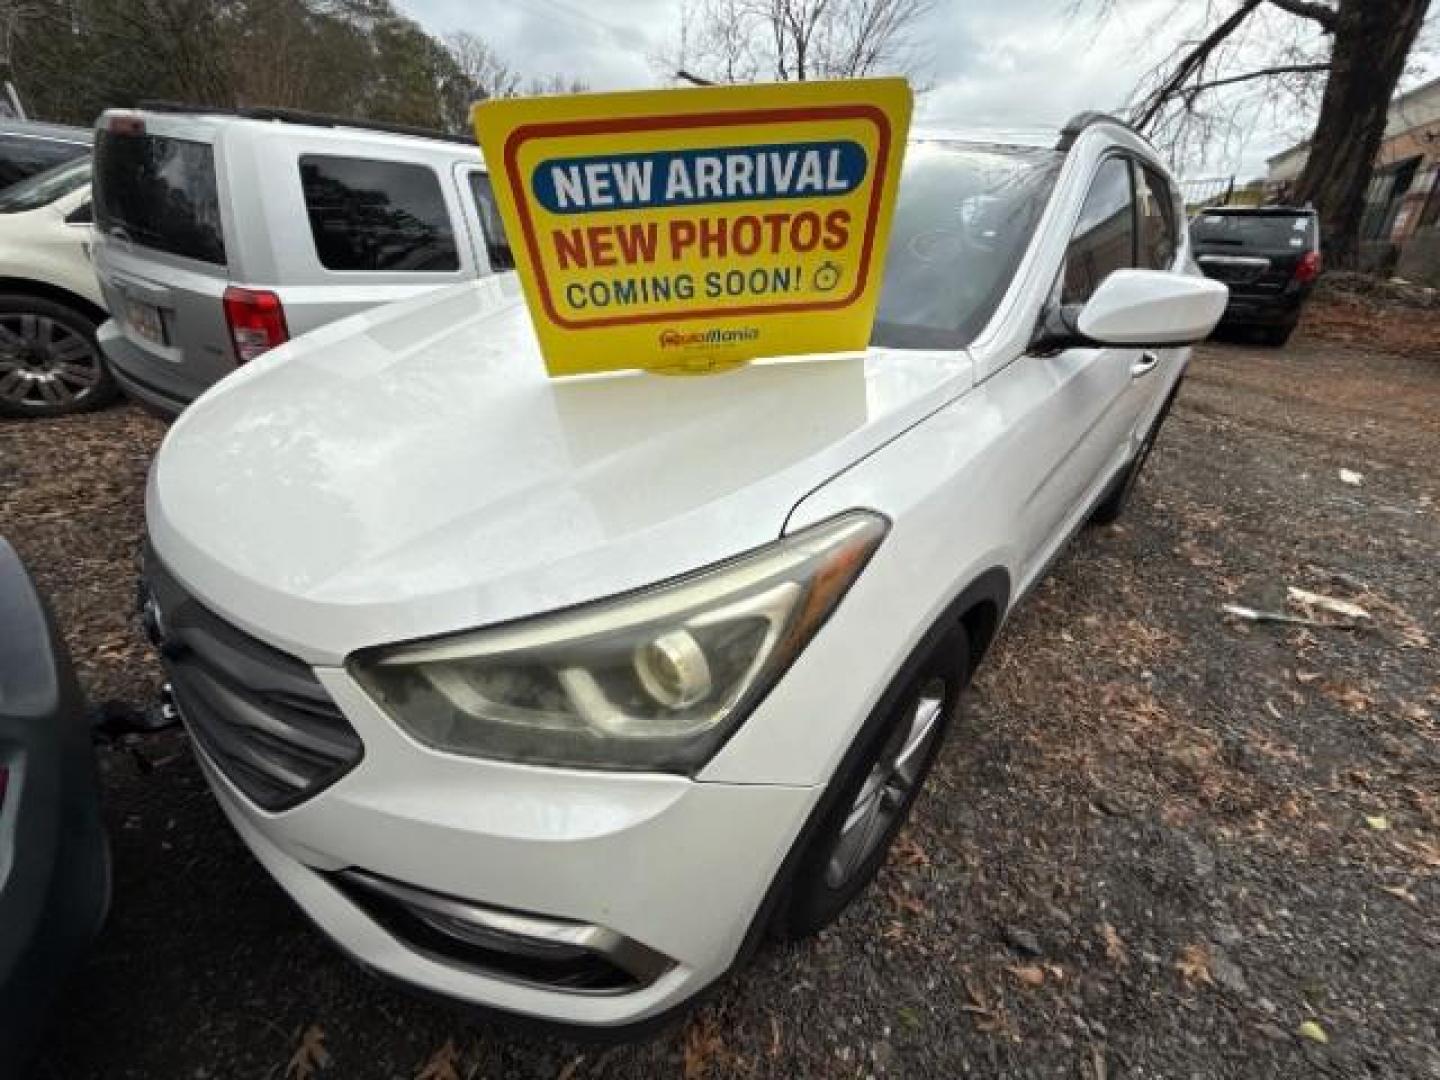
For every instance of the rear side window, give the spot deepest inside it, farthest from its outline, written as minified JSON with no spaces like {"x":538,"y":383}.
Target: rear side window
{"x":26,"y":155}
{"x":496,"y":245}
{"x":377,"y":215}
{"x":1159,"y":232}
{"x":160,"y":193}
{"x":1104,"y":238}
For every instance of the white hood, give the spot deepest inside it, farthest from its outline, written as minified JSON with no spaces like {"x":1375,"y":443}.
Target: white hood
{"x":413,"y":471}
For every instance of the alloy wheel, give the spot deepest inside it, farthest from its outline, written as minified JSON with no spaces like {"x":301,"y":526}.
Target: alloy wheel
{"x":888,"y":787}
{"x":45,"y":365}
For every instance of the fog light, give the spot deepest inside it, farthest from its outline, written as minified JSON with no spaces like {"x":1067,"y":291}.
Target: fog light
{"x":673,"y":670}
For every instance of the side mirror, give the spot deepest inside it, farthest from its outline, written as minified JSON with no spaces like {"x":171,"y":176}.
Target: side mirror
{"x":1152,"y":307}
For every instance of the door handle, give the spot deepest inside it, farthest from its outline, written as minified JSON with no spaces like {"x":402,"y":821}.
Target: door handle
{"x":1145,"y":364}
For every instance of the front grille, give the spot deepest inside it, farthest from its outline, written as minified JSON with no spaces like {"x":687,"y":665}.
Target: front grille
{"x":259,"y":715}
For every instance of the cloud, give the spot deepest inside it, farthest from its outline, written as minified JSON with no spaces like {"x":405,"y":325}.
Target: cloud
{"x":1024,"y":63}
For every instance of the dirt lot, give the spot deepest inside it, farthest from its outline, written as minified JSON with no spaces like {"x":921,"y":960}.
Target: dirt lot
{"x":1161,"y":843}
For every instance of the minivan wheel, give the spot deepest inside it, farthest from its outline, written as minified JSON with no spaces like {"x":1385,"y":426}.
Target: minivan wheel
{"x":50,"y":362}
{"x":875,"y":793}
{"x":1278,"y":335}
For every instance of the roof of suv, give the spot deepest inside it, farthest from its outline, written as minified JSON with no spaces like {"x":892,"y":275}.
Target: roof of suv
{"x":1260,"y":211}
{"x":299,"y":117}
{"x":59,"y":132}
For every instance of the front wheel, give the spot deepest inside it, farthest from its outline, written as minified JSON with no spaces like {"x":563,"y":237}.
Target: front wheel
{"x":50,"y":362}
{"x":874,"y":794}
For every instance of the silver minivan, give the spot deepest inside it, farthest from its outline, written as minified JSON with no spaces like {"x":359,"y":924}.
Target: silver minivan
{"x":221,"y":235}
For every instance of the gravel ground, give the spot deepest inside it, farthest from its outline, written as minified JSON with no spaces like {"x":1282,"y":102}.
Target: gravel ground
{"x":1161,"y":842}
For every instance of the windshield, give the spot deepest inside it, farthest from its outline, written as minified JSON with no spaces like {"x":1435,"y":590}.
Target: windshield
{"x":1269,"y":231}
{"x":45,"y":187}
{"x":964,"y":215}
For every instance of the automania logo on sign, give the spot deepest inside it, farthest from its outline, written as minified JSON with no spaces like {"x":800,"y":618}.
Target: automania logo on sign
{"x":694,"y":228}
{"x":677,"y":339}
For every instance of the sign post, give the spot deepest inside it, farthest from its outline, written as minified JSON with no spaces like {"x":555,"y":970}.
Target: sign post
{"x":692,"y":230}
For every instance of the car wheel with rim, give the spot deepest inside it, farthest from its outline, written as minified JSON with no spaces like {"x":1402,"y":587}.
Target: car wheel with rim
{"x":874,"y":794}
{"x":50,"y":362}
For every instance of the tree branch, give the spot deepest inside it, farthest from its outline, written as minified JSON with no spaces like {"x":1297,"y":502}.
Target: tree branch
{"x":1263,"y":73}
{"x":1310,"y":9}
{"x":1189,"y":65}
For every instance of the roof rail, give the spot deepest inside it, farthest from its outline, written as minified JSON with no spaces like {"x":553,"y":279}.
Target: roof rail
{"x":1080,"y":121}
{"x":300,"y":116}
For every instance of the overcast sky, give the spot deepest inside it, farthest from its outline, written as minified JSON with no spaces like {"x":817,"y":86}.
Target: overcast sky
{"x":992,"y":64}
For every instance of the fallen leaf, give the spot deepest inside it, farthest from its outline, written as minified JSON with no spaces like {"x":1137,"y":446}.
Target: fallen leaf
{"x":1314,"y":1032}
{"x":1307,"y":599}
{"x":310,"y":1056}
{"x":1402,"y":893}
{"x":444,"y":1064}
{"x":702,"y":1045}
{"x":1194,"y":965}
{"x":1029,"y":974}
{"x":1115,"y":950}
{"x":1378,"y":822}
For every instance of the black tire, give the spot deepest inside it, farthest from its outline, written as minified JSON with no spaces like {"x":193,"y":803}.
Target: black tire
{"x":817,"y":893}
{"x":50,"y":362}
{"x":1278,"y":336}
{"x":1114,"y":504}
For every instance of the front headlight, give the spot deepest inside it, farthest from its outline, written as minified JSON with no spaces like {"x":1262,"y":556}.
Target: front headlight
{"x":654,"y":680}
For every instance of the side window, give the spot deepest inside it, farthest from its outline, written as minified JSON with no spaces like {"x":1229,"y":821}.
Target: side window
{"x":377,"y":215}
{"x":1104,"y":238}
{"x":496,"y":246}
{"x":1159,"y":232}
{"x":83,"y":214}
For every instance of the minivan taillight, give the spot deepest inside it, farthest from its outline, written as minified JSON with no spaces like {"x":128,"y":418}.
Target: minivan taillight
{"x":1308,"y":268}
{"x":257,"y":321}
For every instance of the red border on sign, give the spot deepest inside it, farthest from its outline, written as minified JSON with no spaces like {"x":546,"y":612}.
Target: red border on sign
{"x":526,"y":132}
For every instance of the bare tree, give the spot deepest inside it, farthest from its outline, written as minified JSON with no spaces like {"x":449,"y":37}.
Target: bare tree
{"x":1285,"y":54}
{"x":487,"y":73}
{"x":735,"y":41}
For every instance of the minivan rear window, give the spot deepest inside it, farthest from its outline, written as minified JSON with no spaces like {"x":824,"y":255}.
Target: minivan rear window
{"x":1268,"y":232}
{"x":377,"y":215}
{"x":160,"y":193}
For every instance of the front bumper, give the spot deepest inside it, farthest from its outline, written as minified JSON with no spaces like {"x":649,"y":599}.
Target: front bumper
{"x":675,"y":868}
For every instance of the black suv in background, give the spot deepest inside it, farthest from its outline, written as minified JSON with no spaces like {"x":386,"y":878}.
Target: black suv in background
{"x":1270,"y":258}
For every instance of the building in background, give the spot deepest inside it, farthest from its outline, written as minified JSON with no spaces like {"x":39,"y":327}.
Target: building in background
{"x":1400,"y":232}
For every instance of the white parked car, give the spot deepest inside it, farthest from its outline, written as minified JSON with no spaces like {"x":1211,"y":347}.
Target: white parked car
{"x":50,"y":301}
{"x":554,"y":696}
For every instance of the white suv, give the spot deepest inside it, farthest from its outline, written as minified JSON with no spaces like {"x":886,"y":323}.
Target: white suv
{"x":50,"y":302}
{"x":552,"y":695}
{"x":221,"y":235}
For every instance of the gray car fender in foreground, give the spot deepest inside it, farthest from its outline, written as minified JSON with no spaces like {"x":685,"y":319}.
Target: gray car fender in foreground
{"x":54,"y":862}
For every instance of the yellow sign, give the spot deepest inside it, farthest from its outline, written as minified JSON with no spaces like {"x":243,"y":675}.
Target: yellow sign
{"x":695,"y":229}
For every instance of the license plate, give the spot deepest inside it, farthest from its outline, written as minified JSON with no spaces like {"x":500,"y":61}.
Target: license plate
{"x":145,"y":320}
